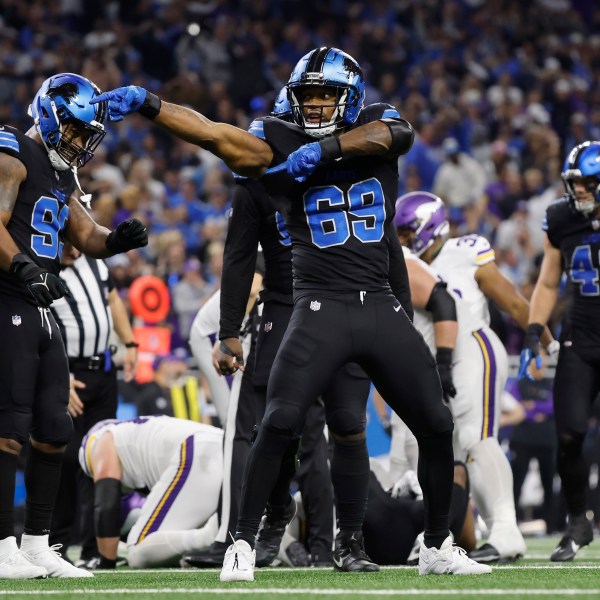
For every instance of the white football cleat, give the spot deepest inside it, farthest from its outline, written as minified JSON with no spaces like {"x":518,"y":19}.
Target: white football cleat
{"x":448,"y":560}
{"x":238,"y":564}
{"x":36,"y":549}
{"x":16,"y":565}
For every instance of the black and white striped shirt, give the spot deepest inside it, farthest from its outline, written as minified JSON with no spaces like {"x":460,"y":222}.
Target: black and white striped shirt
{"x":84,"y":319}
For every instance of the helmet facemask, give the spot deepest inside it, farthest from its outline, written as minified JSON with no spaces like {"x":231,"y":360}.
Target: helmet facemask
{"x":421,"y":220}
{"x":66,"y":140}
{"x":332,"y":70}
{"x":319,"y":125}
{"x":591,"y":183}
{"x":69,"y":127}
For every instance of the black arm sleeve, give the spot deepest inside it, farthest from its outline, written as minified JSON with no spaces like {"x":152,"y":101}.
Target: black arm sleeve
{"x":398,"y":275}
{"x":441,"y":304}
{"x":239,"y":260}
{"x":403,"y":136}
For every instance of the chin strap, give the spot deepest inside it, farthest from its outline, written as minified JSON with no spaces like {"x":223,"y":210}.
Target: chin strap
{"x":86,"y":199}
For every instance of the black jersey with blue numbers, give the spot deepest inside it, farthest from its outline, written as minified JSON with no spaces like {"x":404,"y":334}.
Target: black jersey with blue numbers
{"x":41,"y":210}
{"x":337,"y":218}
{"x":578,"y":239}
{"x":253,"y":221}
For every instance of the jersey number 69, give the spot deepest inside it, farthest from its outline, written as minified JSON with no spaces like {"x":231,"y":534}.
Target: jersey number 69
{"x":328,"y":211}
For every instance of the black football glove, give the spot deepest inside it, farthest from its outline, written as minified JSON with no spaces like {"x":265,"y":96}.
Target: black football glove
{"x":443,"y":358}
{"x":531,"y":350}
{"x":127,"y":236}
{"x":45,"y":287}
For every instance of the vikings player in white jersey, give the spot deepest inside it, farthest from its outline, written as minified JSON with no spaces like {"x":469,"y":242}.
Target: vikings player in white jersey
{"x":480,"y":364}
{"x":435,"y":318}
{"x":178,"y":462}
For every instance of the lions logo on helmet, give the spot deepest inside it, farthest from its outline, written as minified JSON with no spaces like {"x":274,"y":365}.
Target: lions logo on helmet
{"x":583,"y":166}
{"x":282,"y":109}
{"x":331,"y":68}
{"x":70,"y":127}
{"x":424,"y":215}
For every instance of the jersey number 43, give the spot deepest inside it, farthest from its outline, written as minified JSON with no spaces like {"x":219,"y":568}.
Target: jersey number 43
{"x":583,"y":271}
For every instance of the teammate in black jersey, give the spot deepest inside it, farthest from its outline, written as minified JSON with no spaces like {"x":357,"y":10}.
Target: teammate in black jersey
{"x":39,"y":209}
{"x":572,"y":244}
{"x":253,"y":221}
{"x":336,"y":197}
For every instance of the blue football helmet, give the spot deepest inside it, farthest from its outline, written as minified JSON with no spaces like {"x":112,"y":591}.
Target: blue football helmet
{"x":70,"y":127}
{"x":583,"y":166}
{"x":332,"y":68}
{"x":424,"y":215}
{"x":282,"y":109}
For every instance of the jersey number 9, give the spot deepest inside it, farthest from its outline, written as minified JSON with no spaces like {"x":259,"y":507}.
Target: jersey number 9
{"x":49,"y":219}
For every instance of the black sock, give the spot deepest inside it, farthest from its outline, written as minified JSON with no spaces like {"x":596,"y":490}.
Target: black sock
{"x":261,"y":472}
{"x":8,"y":472}
{"x":280,"y":496}
{"x":42,"y":476}
{"x":573,"y":472}
{"x":458,"y":510}
{"x":436,"y":472}
{"x":350,"y":477}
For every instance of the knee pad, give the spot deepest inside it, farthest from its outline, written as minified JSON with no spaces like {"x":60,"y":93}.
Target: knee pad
{"x":57,"y":432}
{"x":283,"y":420}
{"x":344,"y":422}
{"x":21,"y":424}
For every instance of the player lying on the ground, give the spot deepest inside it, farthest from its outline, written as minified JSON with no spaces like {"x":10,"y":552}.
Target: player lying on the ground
{"x":395,"y":519}
{"x":179,"y":463}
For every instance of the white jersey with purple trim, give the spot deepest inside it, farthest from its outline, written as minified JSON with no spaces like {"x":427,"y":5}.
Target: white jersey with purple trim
{"x":456,"y":264}
{"x":145,"y":446}
{"x":422,"y":319}
{"x":480,"y":363}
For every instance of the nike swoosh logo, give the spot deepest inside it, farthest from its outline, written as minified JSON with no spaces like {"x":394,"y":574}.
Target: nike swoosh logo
{"x":339,"y":564}
{"x":397,"y":308}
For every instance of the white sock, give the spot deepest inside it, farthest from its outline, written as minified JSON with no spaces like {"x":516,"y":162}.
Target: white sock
{"x":34,"y":542}
{"x":492,"y":488}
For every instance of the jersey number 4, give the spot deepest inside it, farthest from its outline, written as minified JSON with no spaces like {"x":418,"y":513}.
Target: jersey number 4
{"x":583,"y":271}
{"x":328,"y":208}
{"x":48,"y":219}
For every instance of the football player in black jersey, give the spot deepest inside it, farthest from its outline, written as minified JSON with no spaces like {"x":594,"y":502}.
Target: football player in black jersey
{"x":336,"y":197}
{"x":572,"y":245}
{"x":39,"y":209}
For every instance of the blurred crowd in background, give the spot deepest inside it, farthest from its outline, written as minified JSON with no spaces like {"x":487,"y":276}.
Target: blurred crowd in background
{"x":497,"y":90}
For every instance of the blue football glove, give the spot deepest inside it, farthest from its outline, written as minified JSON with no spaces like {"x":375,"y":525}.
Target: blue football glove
{"x":122,"y":101}
{"x":531,"y":350}
{"x":302,"y":162}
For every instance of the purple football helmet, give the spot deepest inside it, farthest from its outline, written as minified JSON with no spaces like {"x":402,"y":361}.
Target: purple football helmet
{"x":425,"y":215}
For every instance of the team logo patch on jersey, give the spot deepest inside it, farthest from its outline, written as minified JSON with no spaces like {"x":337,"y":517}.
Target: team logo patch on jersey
{"x":16,"y":320}
{"x":268,"y":326}
{"x":315,"y":305}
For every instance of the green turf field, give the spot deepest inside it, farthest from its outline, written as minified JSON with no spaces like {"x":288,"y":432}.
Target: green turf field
{"x":533,"y":577}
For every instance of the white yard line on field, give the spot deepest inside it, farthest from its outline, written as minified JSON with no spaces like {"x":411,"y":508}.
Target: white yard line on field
{"x":310,"y":592}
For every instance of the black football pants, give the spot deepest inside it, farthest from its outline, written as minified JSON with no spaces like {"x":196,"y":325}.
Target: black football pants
{"x":326,"y":331}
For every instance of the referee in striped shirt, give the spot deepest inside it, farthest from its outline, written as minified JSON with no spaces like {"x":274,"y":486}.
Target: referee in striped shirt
{"x":86,"y":319}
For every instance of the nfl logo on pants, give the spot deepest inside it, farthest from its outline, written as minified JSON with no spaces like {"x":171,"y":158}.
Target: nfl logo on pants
{"x":16,"y":320}
{"x":315,"y":305}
